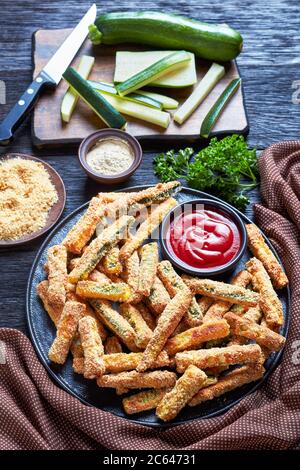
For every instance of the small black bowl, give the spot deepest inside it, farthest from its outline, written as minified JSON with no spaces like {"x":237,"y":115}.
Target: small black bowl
{"x":211,"y":205}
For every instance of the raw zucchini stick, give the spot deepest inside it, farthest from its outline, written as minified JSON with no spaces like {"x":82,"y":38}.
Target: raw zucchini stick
{"x":132,"y":273}
{"x":99,"y":247}
{"x":53,"y":312}
{"x":173,"y":283}
{"x":143,"y":334}
{"x":158,"y":298}
{"x":119,"y":292}
{"x":57,"y":275}
{"x":219,"y":308}
{"x":234,"y":379}
{"x":222,"y":291}
{"x":185,"y":388}
{"x":148,"y":267}
{"x":111,"y":261}
{"x":117,"y":324}
{"x":167,"y":322}
{"x":261,"y":251}
{"x":133,"y":379}
{"x":67,"y":327}
{"x":207,"y":83}
{"x":112,"y":345}
{"x":146,"y":228}
{"x":241,"y":326}
{"x":167,"y":102}
{"x":147,"y":315}
{"x":269,"y":301}
{"x":192,"y":338}
{"x":215,"y":357}
{"x":121,"y":362}
{"x":92,"y":348}
{"x":143,"y":401}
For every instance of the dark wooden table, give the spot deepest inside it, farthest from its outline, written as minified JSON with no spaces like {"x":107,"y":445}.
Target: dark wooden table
{"x":269,"y":65}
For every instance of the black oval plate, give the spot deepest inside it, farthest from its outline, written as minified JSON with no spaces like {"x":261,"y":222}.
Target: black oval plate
{"x":42,"y":333}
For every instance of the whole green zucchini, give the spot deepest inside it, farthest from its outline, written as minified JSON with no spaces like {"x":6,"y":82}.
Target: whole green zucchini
{"x":167,"y":31}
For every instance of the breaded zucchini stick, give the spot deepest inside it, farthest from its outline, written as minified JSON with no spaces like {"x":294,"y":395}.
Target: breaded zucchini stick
{"x":158,"y":298}
{"x":192,"y":338}
{"x":111,"y":262}
{"x":204,"y":304}
{"x":121,"y":362}
{"x":185,"y":388}
{"x":92,"y":348}
{"x":215,"y":357}
{"x":219,"y":308}
{"x":118,"y":292}
{"x":222,"y":291}
{"x":269,"y":301}
{"x":234,"y":379}
{"x":99,"y":247}
{"x":167,"y":322}
{"x":173,"y":283}
{"x":132,"y":273}
{"x":148,"y":267}
{"x":66,"y":329}
{"x":147,"y":315}
{"x":112,"y":345}
{"x":54,"y":312}
{"x":143,"y":334}
{"x":146,"y":228}
{"x":57,"y":275}
{"x":133,"y":379}
{"x":143,"y":401}
{"x":241,"y":326}
{"x":261,"y":251}
{"x":115,"y":322}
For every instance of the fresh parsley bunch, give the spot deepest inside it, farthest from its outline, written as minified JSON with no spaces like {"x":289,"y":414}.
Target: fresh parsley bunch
{"x":226,"y":168}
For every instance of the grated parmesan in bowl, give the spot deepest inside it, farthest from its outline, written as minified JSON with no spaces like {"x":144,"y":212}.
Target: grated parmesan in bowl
{"x":26,"y":196}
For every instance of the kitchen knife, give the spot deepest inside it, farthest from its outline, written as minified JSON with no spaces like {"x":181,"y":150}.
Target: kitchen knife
{"x":50,"y":76}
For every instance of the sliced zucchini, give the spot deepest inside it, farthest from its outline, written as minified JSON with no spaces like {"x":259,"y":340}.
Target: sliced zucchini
{"x":129,"y":64}
{"x":163,"y":66}
{"x":71,"y":97}
{"x":166,"y":101}
{"x":94,"y":100}
{"x":208,"y":82}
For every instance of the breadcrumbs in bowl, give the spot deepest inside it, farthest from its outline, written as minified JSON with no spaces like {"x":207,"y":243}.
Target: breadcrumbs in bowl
{"x":26,"y":197}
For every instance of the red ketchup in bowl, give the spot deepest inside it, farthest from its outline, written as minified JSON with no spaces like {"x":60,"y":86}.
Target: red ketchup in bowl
{"x":204,"y":238}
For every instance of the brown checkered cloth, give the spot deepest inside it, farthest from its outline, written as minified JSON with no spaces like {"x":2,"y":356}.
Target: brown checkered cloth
{"x":36,"y":414}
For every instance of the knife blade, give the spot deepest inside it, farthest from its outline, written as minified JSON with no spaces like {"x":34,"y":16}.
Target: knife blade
{"x":50,"y":76}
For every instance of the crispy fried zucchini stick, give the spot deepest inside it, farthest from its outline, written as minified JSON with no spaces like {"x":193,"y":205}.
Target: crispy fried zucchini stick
{"x":112,"y":345}
{"x":78,"y":365}
{"x":111,"y":262}
{"x":158,"y":298}
{"x":215,"y":357}
{"x":234,"y":379}
{"x":173,"y":283}
{"x":147,"y":315}
{"x":57,"y":275}
{"x":148,"y":267}
{"x":54,"y":312}
{"x":146,"y":228}
{"x":192,"y":338}
{"x":204,"y":304}
{"x":143,"y":334}
{"x":219,"y":308}
{"x":133,"y":379}
{"x":185,"y":388}
{"x":99,"y":247}
{"x":269,"y":301}
{"x":115,"y":322}
{"x":92,"y":348}
{"x":222,"y":291}
{"x":143,"y":401}
{"x":167,"y":322}
{"x":132,"y":272}
{"x":121,"y":362}
{"x":241,"y":326}
{"x":118,"y":292}
{"x":66,"y":329}
{"x":261,"y":251}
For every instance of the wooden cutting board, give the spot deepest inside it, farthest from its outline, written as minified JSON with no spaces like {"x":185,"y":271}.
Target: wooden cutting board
{"x":48,"y":129}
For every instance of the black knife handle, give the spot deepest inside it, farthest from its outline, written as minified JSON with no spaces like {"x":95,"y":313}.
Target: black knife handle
{"x":23,"y":107}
